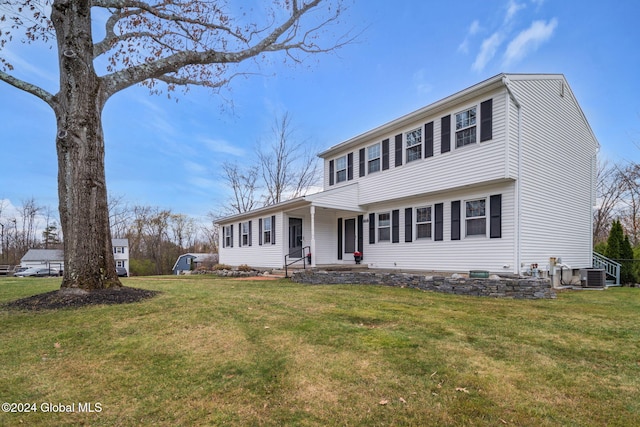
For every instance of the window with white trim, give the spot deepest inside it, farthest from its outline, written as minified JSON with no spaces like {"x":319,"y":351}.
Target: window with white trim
{"x":466,"y":127}
{"x":228,"y":236}
{"x":476,"y":217}
{"x":245,"y":233}
{"x":120,"y":263}
{"x":118,"y":249}
{"x":266,"y":230}
{"x":341,"y":169}
{"x":373,"y":158}
{"x":384,"y":227}
{"x":423,"y":223}
{"x":413,"y":144}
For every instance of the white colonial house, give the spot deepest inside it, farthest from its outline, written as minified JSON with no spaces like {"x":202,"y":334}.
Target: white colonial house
{"x":499,"y":177}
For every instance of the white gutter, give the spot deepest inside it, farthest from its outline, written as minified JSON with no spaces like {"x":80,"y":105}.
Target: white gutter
{"x":506,"y":82}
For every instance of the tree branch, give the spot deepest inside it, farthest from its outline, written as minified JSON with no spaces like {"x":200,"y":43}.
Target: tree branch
{"x":28,"y":87}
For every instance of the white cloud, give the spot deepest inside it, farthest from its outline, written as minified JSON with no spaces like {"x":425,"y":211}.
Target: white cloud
{"x":487,"y":51}
{"x":420,"y":82}
{"x":474,"y":28}
{"x":512,"y":8}
{"x":529,"y":40}
{"x":222,"y":146}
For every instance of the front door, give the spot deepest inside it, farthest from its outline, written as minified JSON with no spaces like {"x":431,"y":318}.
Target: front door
{"x":349,"y":236}
{"x":295,"y":237}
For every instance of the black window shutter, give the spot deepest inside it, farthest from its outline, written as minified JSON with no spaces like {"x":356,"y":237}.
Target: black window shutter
{"x":408,"y":224}
{"x":240,"y":235}
{"x":439,"y":221}
{"x":385,"y":154}
{"x":339,"y":238}
{"x":395,"y":226}
{"x":360,"y":232}
{"x":428,"y":140}
{"x":455,"y":220}
{"x":399,"y":150}
{"x":273,"y":229}
{"x":231,"y":240}
{"x":260,"y":231}
{"x":486,"y":120}
{"x":361,"y":162}
{"x":495,"y":213}
{"x":250,"y":237}
{"x":372,"y":228}
{"x":349,"y":166}
{"x":331,"y":173}
{"x":445,"y":134}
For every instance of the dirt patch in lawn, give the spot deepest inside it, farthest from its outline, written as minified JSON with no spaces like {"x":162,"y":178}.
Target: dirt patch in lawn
{"x":76,"y":298}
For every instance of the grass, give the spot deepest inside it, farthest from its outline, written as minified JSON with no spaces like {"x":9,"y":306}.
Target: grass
{"x":214,"y":351}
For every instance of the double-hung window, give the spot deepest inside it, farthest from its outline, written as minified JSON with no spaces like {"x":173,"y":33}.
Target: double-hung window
{"x":413,"y":144}
{"x":373,"y":158}
{"x":423,"y":223}
{"x":466,"y":127}
{"x":476,"y":217}
{"x":118,"y":249}
{"x":228,"y":236}
{"x":266,"y":230}
{"x":245,"y":234}
{"x":341,"y":169}
{"x":384,"y":227}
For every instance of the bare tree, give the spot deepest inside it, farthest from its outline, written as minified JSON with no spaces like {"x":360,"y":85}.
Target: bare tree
{"x":288,"y":166}
{"x":243,"y":184}
{"x":172,"y":42}
{"x":629,"y":186}
{"x":120,"y":216}
{"x":608,"y":194}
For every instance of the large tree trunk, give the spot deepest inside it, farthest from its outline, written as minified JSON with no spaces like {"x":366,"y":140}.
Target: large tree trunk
{"x":82,"y":191}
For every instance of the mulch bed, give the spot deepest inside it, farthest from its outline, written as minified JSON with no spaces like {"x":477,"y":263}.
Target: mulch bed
{"x":75,"y":298}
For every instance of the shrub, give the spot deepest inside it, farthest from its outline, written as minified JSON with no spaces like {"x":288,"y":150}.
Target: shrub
{"x":222,"y":267}
{"x":244,"y":267}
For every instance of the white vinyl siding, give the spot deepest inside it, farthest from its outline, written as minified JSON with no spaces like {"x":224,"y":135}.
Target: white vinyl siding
{"x":495,"y":255}
{"x":557,"y":151}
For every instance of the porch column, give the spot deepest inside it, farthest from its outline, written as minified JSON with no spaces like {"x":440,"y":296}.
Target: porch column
{"x":313,"y":236}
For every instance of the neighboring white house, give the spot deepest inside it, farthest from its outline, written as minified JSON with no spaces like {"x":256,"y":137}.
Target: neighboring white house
{"x":55,"y":257}
{"x":499,"y":176}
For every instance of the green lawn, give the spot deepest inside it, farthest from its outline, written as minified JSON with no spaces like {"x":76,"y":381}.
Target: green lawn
{"x":212,"y":351}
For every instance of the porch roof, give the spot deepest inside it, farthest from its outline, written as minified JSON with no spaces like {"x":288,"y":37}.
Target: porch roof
{"x":342,"y":198}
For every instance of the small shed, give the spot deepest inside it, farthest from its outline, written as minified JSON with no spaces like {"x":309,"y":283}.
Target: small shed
{"x":191,"y":261}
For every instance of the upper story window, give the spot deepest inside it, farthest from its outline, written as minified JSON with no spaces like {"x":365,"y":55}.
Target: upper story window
{"x":266,"y":230}
{"x":476,"y":217}
{"x":384,"y":227}
{"x":341,"y":169}
{"x":423,"y":223}
{"x":118,"y":249}
{"x":373,"y":158}
{"x":414,"y":144}
{"x":466,"y":127}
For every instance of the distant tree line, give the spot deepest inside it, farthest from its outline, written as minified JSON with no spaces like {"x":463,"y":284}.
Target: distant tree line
{"x":616,"y":219}
{"x":156,"y":236}
{"x":30,"y":226}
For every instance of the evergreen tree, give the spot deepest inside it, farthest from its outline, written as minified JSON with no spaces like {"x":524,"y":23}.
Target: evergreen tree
{"x":615,"y":241}
{"x":627,"y":272}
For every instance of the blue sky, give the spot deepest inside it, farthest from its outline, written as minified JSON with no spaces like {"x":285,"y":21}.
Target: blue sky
{"x":164,"y":153}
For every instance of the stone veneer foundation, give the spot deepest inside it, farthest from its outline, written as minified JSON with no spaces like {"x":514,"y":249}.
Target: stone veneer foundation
{"x":518,"y":288}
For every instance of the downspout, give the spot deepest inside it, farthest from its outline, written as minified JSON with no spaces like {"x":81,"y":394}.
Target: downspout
{"x":507,"y":84}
